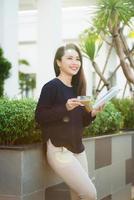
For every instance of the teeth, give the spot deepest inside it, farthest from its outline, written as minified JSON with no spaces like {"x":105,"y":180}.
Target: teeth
{"x":74,"y":68}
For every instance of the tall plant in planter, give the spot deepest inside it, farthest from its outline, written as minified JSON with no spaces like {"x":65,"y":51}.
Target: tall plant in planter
{"x":27,"y":81}
{"x":5,"y":67}
{"x":109,"y":23}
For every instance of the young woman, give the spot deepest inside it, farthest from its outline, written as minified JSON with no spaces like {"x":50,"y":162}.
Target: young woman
{"x":62,"y":118}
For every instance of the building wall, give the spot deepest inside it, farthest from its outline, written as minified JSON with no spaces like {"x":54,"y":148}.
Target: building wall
{"x":76,"y":16}
{"x":9,"y":42}
{"x":71,"y":29}
{"x":74,"y":21}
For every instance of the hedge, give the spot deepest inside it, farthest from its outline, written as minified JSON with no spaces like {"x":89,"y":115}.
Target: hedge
{"x":18,"y":126}
{"x":126,"y":108}
{"x":107,"y":122}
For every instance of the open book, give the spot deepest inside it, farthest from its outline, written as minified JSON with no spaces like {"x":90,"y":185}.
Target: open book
{"x":106,"y":97}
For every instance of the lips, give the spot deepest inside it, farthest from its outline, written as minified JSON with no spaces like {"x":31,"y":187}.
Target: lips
{"x":74,"y":68}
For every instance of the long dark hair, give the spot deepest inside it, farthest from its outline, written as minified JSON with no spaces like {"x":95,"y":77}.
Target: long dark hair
{"x":78,"y":80}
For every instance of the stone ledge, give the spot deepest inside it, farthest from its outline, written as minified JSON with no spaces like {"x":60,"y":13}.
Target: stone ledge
{"x":21,"y":147}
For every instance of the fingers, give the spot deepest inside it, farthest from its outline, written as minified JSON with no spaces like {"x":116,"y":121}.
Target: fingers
{"x":73,"y":103}
{"x":101,"y":107}
{"x":98,"y":110}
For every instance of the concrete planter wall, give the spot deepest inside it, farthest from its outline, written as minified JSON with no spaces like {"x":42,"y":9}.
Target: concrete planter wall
{"x":111,"y":163}
{"x":24,"y":174}
{"x":21,"y":173}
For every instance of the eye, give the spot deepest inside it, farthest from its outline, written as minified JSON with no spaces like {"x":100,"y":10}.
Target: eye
{"x":70,"y":58}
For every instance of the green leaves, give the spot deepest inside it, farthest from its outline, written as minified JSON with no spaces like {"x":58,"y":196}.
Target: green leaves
{"x":17,"y":121}
{"x":107,"y":122}
{"x":5,"y":67}
{"x":118,"y":114}
{"x":126,"y":108}
{"x":23,"y":62}
{"x":90,"y":43}
{"x":112,"y":12}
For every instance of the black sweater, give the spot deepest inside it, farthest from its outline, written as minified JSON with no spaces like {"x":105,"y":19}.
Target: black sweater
{"x":63,"y":127}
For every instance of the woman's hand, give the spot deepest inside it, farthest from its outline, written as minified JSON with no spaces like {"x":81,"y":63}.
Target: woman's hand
{"x":94,"y":112}
{"x":73,"y":103}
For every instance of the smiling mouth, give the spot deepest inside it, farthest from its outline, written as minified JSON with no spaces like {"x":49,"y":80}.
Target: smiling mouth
{"x":74,"y":68}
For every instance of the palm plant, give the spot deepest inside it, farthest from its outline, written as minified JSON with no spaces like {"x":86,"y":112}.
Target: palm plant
{"x":91,"y":43}
{"x":110,"y":21}
{"x":113,"y":15}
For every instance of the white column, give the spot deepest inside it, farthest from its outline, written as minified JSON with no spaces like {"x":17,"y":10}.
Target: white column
{"x":9,"y":42}
{"x":49,"y":38}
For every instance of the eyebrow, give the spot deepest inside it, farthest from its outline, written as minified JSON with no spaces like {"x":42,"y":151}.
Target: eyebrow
{"x":72,"y":56}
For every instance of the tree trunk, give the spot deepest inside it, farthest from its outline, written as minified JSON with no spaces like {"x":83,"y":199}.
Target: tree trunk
{"x":127,"y":52}
{"x":105,"y":65}
{"x":127,"y":70}
{"x":106,"y":83}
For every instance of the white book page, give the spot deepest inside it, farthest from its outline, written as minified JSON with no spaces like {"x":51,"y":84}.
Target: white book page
{"x":106,"y":97}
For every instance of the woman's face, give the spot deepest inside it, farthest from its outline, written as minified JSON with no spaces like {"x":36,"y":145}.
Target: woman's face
{"x":70,"y":62}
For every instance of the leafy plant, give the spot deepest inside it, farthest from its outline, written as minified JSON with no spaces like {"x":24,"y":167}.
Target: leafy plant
{"x":5,"y":67}
{"x":27,"y":81}
{"x":90,"y":43}
{"x":126,"y":108}
{"x":107,"y":122}
{"x":17,"y":123}
{"x":111,"y":12}
{"x":110,"y":21}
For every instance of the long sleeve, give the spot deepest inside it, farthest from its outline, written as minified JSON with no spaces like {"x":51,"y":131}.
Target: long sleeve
{"x":87,"y":118}
{"x":47,"y":110}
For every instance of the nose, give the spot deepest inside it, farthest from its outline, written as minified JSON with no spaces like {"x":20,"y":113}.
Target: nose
{"x":75,"y":62}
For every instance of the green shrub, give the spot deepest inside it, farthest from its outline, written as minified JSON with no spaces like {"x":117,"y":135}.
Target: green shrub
{"x":126,"y":108}
{"x":17,"y":123}
{"x":5,"y":67}
{"x":107,"y":122}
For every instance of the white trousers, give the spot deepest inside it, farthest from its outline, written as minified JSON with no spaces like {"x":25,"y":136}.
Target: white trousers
{"x":73,"y":169}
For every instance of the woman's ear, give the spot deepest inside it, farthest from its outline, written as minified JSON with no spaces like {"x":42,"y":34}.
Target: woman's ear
{"x":58,"y":63}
